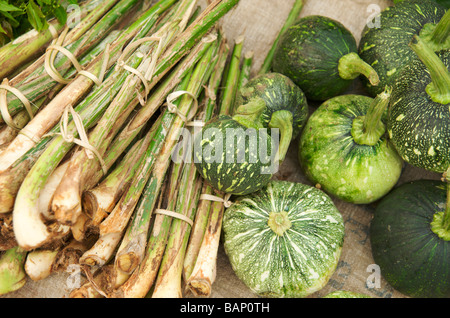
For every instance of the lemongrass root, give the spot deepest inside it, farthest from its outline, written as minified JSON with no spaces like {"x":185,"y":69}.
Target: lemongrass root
{"x":38,"y":264}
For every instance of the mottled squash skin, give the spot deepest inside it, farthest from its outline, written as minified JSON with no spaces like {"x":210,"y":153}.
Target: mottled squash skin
{"x":419,"y":127}
{"x":309,"y":54}
{"x":386,"y":48}
{"x":331,"y":158}
{"x":280,"y":93}
{"x":247,"y":171}
{"x":295,"y":262}
{"x":412,"y":258}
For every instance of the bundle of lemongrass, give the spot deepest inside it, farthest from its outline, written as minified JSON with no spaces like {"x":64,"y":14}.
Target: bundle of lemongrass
{"x":86,"y":170}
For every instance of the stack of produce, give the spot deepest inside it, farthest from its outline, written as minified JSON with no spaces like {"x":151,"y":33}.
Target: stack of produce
{"x":94,"y":123}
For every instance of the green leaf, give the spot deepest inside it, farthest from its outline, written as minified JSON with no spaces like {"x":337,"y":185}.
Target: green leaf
{"x":5,"y":6}
{"x":61,"y":14}
{"x":11,"y":19}
{"x":35,"y":16}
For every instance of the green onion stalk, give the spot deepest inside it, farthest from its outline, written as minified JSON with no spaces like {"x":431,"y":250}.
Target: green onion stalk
{"x":90,"y":110}
{"x":138,"y":255}
{"x":22,"y":49}
{"x":66,"y":203}
{"x":34,"y":82}
{"x":12,"y":273}
{"x":202,"y":214}
{"x":47,"y":155}
{"x":71,"y":93}
{"x":290,"y":20}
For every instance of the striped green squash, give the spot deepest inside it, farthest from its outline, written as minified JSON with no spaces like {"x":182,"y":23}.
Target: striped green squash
{"x":385,"y":47}
{"x":321,"y":56}
{"x":344,"y":149}
{"x":234,"y":158}
{"x":419,"y":121}
{"x":284,"y":240}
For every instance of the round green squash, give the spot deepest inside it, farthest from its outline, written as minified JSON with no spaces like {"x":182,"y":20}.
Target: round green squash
{"x":320,"y":55}
{"x":284,"y":240}
{"x":405,"y":241}
{"x":419,"y":121}
{"x":345,"y":150}
{"x":386,"y":48}
{"x":234,"y":158}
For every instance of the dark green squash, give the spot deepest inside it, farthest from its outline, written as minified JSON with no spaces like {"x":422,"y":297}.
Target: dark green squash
{"x":410,"y":239}
{"x":386,"y":48}
{"x":345,"y":150}
{"x":234,"y":158}
{"x":270,"y":107}
{"x":320,"y":55}
{"x":419,"y":121}
{"x":284,"y":240}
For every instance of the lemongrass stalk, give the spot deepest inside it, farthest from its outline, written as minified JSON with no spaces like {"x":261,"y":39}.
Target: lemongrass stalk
{"x":39,"y":171}
{"x":56,"y":151}
{"x":12,"y":273}
{"x":28,"y":45}
{"x":112,"y":227}
{"x":149,"y":256}
{"x":160,"y":227}
{"x":203,"y":274}
{"x":169,"y":280}
{"x":7,"y":238}
{"x":71,"y":94}
{"x":231,"y":74}
{"x":38,"y":264}
{"x":34,"y":82}
{"x":90,"y":110}
{"x":98,"y":202}
{"x":246,"y":68}
{"x":133,"y":246}
{"x":115,"y":223}
{"x":67,"y":200}
{"x":200,"y":276}
{"x":202,"y":214}
{"x":291,"y":18}
{"x":22,"y":117}
{"x":125,"y":261}
{"x":156,"y":99}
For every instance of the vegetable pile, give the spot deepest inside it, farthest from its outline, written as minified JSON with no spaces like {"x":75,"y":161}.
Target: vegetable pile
{"x":137,"y":140}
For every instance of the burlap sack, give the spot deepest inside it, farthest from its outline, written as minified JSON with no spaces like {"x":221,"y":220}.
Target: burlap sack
{"x":259,"y":21}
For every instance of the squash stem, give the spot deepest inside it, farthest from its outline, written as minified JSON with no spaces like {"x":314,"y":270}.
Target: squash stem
{"x":439,"y":88}
{"x":283,"y":120}
{"x":351,"y":66}
{"x":441,"y":32}
{"x":368,"y":129}
{"x":249,"y":114}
